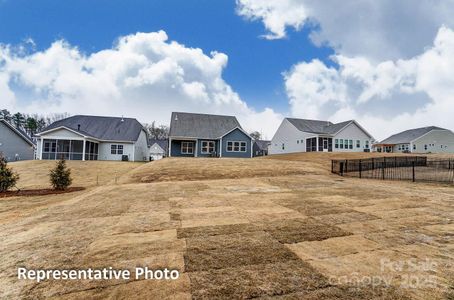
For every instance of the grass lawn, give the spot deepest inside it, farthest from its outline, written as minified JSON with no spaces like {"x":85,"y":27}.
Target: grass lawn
{"x":280,"y":227}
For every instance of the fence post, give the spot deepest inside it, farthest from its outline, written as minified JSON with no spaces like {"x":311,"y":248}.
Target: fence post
{"x":414,"y":178}
{"x":360,"y":168}
{"x":383,"y":168}
{"x":332,"y":166}
{"x":373,"y":164}
{"x":341,"y":168}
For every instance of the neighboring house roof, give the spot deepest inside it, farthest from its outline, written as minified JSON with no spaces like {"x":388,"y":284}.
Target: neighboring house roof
{"x":18,"y":131}
{"x":323,"y":127}
{"x":409,"y":135}
{"x":101,"y":128}
{"x":262,"y":144}
{"x":201,"y":125}
{"x":162,"y":143}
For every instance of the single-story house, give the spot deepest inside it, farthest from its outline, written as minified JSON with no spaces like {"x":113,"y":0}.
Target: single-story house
{"x":94,"y":138}
{"x":302,"y":135}
{"x":15,"y":144}
{"x":260,"y":147}
{"x":158,"y":149}
{"x":429,"y":139}
{"x":204,"y":135}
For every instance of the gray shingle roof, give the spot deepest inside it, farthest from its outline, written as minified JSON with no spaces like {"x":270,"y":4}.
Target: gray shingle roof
{"x":317,"y":126}
{"x":262,"y":144}
{"x":102,"y":128}
{"x":201,"y":125}
{"x":409,"y":135}
{"x":162,"y":143}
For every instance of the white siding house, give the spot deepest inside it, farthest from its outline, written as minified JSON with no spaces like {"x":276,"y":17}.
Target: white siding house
{"x":301,"y":135}
{"x":429,"y":139}
{"x":94,"y":138}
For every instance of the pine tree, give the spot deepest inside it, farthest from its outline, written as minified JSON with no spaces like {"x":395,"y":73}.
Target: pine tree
{"x":8,"y":178}
{"x":60,"y":176}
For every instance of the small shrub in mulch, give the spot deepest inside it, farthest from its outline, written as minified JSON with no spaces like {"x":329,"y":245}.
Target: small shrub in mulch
{"x":193,"y":232}
{"x":39,"y":192}
{"x":230,"y":250}
{"x":8,"y":178}
{"x":256,"y":280}
{"x":348,"y":292}
{"x":60,"y":176}
{"x":289,"y":231}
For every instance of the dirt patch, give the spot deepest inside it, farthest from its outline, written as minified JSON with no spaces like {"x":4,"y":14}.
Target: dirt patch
{"x":203,"y":231}
{"x":39,"y":192}
{"x":239,"y":249}
{"x":255,"y":281}
{"x":289,"y":231}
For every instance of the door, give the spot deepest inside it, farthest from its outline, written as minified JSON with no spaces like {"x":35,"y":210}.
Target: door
{"x":325,"y":144}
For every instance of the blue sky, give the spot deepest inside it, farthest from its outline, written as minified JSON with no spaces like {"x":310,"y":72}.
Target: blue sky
{"x":255,"y":64}
{"x":387,"y":64}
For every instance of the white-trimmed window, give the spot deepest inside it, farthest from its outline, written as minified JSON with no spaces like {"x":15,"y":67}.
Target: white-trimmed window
{"x":236,"y":146}
{"x":116,"y":149}
{"x":187,"y":147}
{"x":207,"y":147}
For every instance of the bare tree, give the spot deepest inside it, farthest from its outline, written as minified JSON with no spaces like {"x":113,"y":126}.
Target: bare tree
{"x":256,"y":135}
{"x":157,"y":132}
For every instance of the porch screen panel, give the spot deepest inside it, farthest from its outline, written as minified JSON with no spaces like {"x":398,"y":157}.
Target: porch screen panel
{"x":330,"y":145}
{"x":311,"y":145}
{"x":320,"y":144}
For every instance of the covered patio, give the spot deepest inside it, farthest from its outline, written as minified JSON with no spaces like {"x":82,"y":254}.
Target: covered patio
{"x":69,"y":149}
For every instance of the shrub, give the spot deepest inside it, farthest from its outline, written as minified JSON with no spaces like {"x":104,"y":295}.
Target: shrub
{"x":8,"y":178}
{"x":60,"y":176}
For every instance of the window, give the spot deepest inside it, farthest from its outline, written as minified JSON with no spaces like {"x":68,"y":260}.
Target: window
{"x":187,"y":147}
{"x":414,"y":147}
{"x":207,"y":147}
{"x":283,"y":146}
{"x":350,"y":144}
{"x":341,"y":144}
{"x":367,"y":145}
{"x":116,"y":149}
{"x":238,"y":146}
{"x":336,"y":143}
{"x":358,"y":144}
{"x":425,"y":147}
{"x":297,"y":141}
{"x":302,"y":141}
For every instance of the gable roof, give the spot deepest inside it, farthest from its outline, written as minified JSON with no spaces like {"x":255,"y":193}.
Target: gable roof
{"x":162,"y":143}
{"x":322,"y":127}
{"x":262,"y":144}
{"x":101,"y":128}
{"x":409,"y":135}
{"x":18,"y":131}
{"x":201,"y":125}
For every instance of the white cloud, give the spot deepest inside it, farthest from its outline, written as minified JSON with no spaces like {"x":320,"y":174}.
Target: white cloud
{"x":378,"y":30}
{"x":144,"y":75}
{"x":386,"y":96}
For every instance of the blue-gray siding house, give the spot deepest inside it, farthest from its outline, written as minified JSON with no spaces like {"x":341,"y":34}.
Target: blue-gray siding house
{"x":204,"y":135}
{"x":15,"y":144}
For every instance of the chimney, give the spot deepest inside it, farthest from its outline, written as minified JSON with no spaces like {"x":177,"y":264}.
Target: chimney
{"x":176,"y":117}
{"x":78,"y":127}
{"x":122,"y":119}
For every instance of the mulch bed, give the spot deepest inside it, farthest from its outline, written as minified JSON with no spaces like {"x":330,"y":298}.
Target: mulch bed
{"x":38,"y":192}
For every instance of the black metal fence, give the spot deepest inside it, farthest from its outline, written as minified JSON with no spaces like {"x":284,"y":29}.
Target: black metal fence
{"x":414,"y":168}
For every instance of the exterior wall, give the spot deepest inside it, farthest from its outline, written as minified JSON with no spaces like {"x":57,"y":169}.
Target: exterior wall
{"x":11,"y":144}
{"x":104,"y":151}
{"x":175,"y":148}
{"x":141,"y":148}
{"x":437,"y":141}
{"x":290,"y":137}
{"x":402,"y":146}
{"x":199,"y":148}
{"x":236,"y":135}
{"x":352,"y":132}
